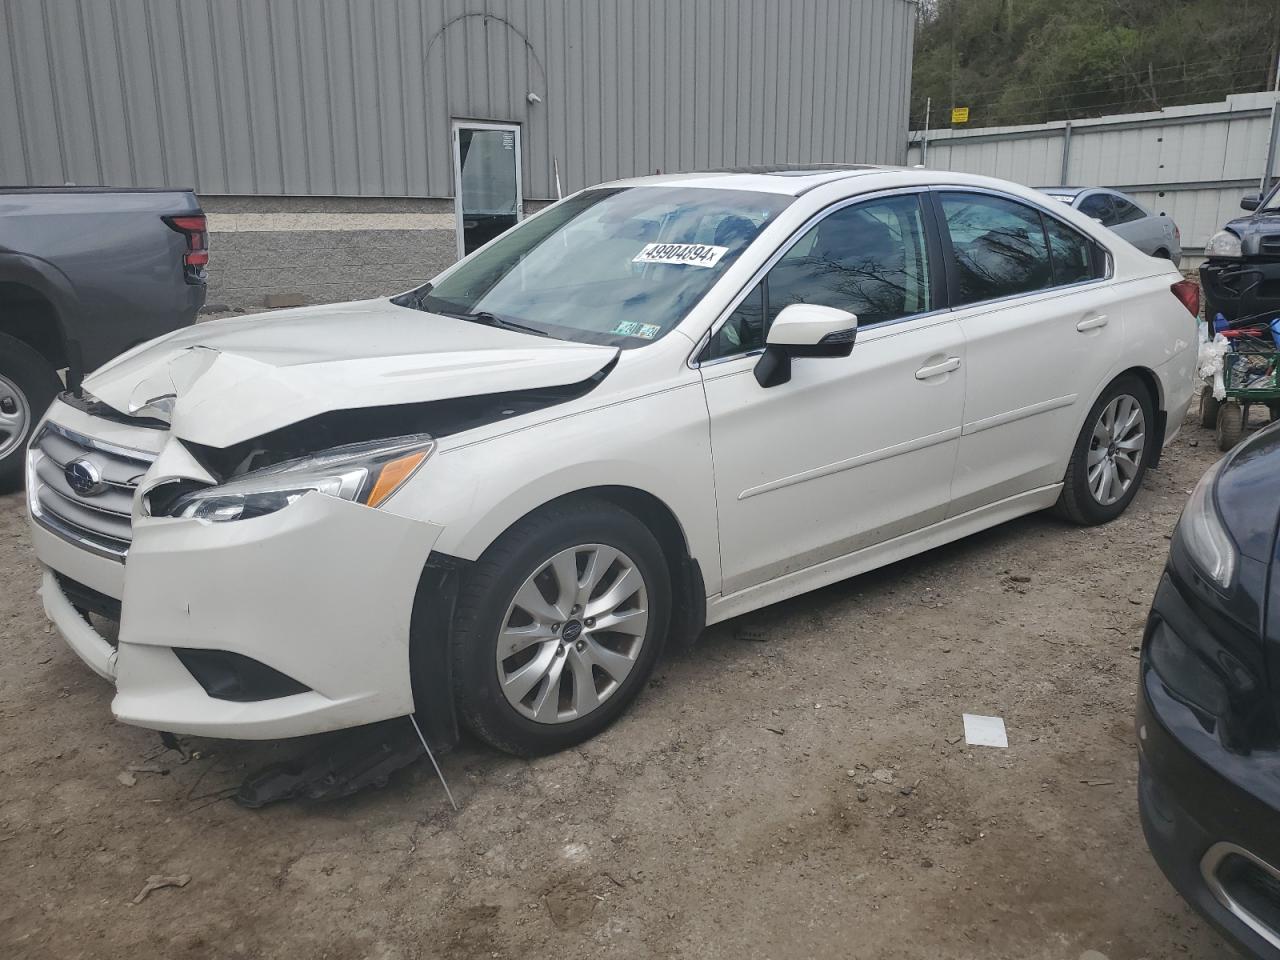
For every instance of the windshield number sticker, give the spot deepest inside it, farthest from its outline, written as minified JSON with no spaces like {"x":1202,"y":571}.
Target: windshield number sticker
{"x":688,"y":254}
{"x":630,"y":328}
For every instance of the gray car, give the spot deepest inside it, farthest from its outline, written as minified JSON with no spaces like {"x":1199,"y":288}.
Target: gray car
{"x":85,"y":274}
{"x":1153,"y":234}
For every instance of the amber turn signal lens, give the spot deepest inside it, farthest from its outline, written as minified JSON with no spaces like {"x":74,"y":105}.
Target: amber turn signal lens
{"x":395,"y":473}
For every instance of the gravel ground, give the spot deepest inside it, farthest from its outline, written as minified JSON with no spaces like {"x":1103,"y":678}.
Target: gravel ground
{"x":794,"y":786}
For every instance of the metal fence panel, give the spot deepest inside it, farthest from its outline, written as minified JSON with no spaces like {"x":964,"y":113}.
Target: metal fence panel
{"x":1191,"y":162}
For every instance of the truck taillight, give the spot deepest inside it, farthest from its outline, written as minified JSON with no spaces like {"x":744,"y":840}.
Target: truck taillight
{"x":1188,"y":294}
{"x":193,"y":227}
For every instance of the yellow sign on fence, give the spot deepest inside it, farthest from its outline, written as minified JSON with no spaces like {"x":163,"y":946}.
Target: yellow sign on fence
{"x":959,"y":114}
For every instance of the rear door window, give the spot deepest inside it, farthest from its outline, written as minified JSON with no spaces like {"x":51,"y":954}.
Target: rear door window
{"x":1126,"y":212}
{"x":999,"y":246}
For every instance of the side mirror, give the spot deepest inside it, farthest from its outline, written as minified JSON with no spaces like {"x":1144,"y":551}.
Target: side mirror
{"x":1251,"y":201}
{"x":804,"y":330}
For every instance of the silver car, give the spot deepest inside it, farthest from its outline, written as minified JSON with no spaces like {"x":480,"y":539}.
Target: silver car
{"x":1153,"y":234}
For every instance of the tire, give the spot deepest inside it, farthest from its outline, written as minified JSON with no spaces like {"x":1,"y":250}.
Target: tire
{"x":1209,"y":406}
{"x":1230,"y":425}
{"x":1078,"y":502}
{"x":28,"y":384}
{"x":520,"y":560}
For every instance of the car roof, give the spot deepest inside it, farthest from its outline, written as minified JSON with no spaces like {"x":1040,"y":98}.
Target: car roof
{"x":1067,"y":191}
{"x":791,"y":179}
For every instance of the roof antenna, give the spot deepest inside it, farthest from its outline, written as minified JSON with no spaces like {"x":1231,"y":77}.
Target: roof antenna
{"x":447,"y":792}
{"x":555,"y":167}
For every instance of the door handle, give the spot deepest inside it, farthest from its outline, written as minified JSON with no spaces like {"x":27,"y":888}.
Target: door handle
{"x":938,"y":369}
{"x":1093,"y":323}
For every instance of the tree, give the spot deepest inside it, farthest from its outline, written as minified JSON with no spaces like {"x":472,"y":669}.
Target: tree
{"x":1028,"y":61}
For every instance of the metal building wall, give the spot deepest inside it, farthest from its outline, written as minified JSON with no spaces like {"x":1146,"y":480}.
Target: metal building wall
{"x":1192,"y":162}
{"x":354,"y":97}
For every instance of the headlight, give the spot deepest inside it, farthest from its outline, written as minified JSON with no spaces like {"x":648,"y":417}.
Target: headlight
{"x":365,"y":473}
{"x":1224,"y":243}
{"x":1202,"y":533}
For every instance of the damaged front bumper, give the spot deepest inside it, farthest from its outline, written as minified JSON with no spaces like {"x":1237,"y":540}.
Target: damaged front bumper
{"x":293,"y":623}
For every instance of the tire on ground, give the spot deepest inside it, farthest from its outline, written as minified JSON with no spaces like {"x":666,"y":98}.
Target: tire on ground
{"x":488,"y":591}
{"x":38,"y":382}
{"x":1209,"y":405}
{"x":1076,"y":502}
{"x":1230,"y":425}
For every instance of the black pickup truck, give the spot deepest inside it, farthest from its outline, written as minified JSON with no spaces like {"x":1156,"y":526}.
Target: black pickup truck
{"x":85,"y":274}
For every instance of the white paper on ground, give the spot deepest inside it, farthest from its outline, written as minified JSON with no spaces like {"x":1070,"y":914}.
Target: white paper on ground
{"x":984,"y":731}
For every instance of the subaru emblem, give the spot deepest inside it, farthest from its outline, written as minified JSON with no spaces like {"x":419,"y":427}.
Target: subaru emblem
{"x":84,"y":478}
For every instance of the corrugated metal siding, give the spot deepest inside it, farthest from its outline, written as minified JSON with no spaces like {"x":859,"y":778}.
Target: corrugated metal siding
{"x":355,"y":97}
{"x":1191,"y":162}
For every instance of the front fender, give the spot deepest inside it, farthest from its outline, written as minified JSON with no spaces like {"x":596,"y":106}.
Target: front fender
{"x":658,"y":444}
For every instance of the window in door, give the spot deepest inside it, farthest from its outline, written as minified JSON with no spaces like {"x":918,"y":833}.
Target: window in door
{"x":1100,"y":207}
{"x":487,"y":191}
{"x":869,"y":259}
{"x":999,"y":246}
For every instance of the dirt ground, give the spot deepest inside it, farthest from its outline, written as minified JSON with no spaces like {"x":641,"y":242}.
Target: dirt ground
{"x":738,"y":810}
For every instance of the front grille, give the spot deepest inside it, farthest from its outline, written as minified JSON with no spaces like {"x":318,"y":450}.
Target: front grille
{"x":100,"y":519}
{"x":1269,"y":246}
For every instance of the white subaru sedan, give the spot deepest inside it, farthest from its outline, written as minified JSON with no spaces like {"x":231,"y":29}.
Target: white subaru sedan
{"x":659,"y":403}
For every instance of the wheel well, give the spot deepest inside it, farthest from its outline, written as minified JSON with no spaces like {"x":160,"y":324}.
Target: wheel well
{"x":28,"y":316}
{"x":689,"y":595}
{"x":1149,"y":380}
{"x":1152,"y":383}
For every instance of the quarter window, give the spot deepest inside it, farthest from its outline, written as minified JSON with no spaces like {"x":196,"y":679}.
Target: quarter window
{"x":1075,"y":258}
{"x":999,"y":245}
{"x":1127,"y":212}
{"x":870,"y":259}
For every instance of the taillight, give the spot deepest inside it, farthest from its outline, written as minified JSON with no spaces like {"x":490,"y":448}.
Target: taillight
{"x":1188,"y":294}
{"x":193,"y":227}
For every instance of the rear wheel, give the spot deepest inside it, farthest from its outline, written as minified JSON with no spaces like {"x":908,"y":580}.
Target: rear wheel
{"x":1230,"y":425}
{"x":1209,"y":406}
{"x":1111,"y":454}
{"x":28,"y":384}
{"x":558,"y":627}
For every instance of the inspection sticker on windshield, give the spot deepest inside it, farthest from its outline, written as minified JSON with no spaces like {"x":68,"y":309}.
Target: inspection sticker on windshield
{"x":689,"y":254}
{"x":631,"y":328}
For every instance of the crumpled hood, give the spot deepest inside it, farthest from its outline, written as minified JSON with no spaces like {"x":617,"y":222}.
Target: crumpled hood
{"x":224,"y":381}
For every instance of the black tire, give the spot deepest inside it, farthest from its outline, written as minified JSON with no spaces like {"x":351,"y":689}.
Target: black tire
{"x":488,"y":591}
{"x":1230,"y":425}
{"x":1209,"y":406}
{"x":37,"y":381}
{"x":1076,"y":502}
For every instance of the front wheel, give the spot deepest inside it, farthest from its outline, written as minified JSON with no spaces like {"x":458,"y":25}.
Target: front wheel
{"x":28,"y":384}
{"x":1110,"y":456}
{"x":559,"y":626}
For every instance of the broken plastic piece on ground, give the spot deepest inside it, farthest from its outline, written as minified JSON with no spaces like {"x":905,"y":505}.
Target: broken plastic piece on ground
{"x":342,"y":765}
{"x":984,"y":731}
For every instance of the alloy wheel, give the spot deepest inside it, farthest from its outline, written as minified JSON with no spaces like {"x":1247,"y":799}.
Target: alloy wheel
{"x":15,"y":416}
{"x":1115,"y":449}
{"x":572,"y":633}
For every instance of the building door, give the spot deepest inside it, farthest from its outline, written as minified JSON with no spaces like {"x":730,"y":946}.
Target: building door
{"x":488,"y":197}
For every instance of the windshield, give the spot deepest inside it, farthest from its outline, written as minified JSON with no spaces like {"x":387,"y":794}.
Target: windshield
{"x":617,"y":266}
{"x":1272,"y":202}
